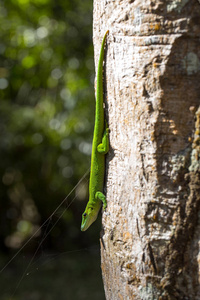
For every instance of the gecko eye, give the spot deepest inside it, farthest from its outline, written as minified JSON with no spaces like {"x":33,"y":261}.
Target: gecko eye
{"x":84,"y":214}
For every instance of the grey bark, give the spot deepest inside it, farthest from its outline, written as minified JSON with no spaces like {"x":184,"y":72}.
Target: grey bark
{"x":150,"y":244}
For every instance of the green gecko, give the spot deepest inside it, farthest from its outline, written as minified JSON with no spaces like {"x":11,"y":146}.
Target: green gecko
{"x":100,"y":147}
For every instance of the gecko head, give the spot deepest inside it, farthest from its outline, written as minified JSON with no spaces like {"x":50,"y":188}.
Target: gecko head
{"x":88,"y":217}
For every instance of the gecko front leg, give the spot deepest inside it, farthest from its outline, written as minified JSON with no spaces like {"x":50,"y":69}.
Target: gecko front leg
{"x":102,"y":197}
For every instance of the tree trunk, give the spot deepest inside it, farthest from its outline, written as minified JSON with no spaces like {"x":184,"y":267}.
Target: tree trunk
{"x":150,"y":244}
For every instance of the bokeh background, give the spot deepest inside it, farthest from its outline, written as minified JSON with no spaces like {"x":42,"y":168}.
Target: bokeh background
{"x":46,"y":125}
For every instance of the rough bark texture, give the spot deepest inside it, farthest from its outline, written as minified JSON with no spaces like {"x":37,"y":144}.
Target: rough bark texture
{"x":150,"y":243}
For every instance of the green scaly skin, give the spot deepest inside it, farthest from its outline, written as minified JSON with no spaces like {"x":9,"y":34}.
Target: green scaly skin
{"x":100,"y":147}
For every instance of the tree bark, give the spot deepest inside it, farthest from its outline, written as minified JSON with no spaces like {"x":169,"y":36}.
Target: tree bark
{"x":150,"y":244}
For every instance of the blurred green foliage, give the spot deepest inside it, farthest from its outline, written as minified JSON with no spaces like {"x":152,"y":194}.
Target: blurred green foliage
{"x":77,"y":278}
{"x":46,"y":118}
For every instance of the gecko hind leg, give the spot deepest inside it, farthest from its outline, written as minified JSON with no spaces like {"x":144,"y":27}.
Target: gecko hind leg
{"x":103,"y":148}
